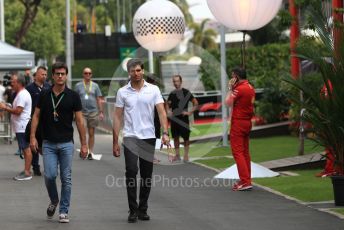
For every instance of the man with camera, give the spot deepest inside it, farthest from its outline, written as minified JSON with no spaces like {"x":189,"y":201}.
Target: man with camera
{"x":20,"y":116}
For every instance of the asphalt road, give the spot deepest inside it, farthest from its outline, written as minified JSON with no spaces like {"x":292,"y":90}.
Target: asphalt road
{"x":184,"y":196}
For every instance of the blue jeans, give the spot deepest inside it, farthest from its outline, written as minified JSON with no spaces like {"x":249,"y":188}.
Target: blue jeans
{"x":55,"y":154}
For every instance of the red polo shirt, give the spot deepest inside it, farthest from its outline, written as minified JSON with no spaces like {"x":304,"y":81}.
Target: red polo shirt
{"x":242,"y":99}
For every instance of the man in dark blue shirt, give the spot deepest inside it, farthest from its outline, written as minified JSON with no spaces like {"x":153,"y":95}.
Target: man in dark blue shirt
{"x":35,"y":89}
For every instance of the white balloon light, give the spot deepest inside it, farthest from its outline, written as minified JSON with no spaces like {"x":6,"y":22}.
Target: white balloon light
{"x":158,"y":25}
{"x":244,"y":14}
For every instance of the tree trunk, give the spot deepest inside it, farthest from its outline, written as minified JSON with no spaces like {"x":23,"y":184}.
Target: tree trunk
{"x":31,"y":9}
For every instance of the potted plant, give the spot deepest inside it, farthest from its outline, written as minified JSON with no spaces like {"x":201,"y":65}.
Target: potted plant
{"x":324,"y":107}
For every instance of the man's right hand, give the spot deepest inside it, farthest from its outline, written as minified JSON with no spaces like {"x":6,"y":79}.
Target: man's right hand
{"x":83,"y":151}
{"x":231,"y":83}
{"x":34,"y":144}
{"x":116,"y":150}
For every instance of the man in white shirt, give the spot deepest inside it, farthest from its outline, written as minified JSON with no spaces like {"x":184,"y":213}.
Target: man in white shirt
{"x":20,"y":116}
{"x":136,"y":102}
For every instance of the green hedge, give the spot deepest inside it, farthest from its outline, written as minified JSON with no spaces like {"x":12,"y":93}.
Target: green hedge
{"x":265,"y":66}
{"x":100,"y":67}
{"x":263,"y":63}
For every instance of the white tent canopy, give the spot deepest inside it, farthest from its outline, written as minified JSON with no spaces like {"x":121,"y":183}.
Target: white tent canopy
{"x":14,"y":58}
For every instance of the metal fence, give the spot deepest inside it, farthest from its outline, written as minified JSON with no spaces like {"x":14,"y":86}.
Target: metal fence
{"x":5,"y":126}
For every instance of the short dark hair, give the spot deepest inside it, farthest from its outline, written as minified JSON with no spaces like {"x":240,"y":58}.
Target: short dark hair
{"x":59,"y":65}
{"x":41,"y":67}
{"x":177,"y":75}
{"x":134,"y":62}
{"x":151,"y":78}
{"x":240,"y":72}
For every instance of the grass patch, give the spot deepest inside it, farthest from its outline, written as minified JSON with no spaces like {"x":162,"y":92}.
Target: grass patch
{"x":338,"y":210}
{"x":206,"y":129}
{"x":305,"y":187}
{"x":271,"y":148}
{"x":278,"y":147}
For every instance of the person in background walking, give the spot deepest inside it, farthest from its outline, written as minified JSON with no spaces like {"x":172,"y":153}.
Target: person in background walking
{"x":92,"y":107}
{"x":35,"y":89}
{"x":177,"y":107}
{"x":27,"y":76}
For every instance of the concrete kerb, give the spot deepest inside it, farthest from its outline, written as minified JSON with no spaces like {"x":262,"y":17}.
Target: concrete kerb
{"x":327,"y":210}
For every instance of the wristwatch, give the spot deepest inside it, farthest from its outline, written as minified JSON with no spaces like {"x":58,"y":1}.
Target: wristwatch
{"x":165,"y":133}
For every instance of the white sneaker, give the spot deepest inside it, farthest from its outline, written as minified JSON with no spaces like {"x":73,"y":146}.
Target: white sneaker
{"x":63,"y":218}
{"x":23,"y":176}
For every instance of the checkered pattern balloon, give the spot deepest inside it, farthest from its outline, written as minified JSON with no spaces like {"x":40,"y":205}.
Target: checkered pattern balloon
{"x":159,"y":25}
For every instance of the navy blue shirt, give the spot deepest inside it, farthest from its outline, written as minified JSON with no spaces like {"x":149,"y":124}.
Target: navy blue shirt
{"x":62,"y":129}
{"x":35,"y":91}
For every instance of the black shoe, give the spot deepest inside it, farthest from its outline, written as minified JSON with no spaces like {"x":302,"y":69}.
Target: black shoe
{"x":51,"y":210}
{"x":37,"y":172}
{"x":132,"y":218}
{"x":89,"y":156}
{"x":142,"y":215}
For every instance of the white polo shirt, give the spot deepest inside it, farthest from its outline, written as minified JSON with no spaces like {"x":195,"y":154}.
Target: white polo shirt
{"x":139,"y":109}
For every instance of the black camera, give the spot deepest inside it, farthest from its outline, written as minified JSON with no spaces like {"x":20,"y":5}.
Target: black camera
{"x":7,"y":80}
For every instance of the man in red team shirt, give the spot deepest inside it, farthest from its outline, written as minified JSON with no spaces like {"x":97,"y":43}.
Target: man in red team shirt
{"x":241,"y":97}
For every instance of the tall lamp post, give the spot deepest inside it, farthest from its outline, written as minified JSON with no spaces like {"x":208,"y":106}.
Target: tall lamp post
{"x":240,"y":15}
{"x":158,"y":26}
{"x":2,"y":21}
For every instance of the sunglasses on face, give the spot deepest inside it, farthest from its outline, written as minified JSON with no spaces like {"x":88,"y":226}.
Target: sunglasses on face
{"x":59,"y":74}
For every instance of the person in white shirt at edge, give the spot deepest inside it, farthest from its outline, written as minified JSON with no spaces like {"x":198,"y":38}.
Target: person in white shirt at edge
{"x":136,"y":102}
{"x":20,"y":116}
{"x":2,"y":91}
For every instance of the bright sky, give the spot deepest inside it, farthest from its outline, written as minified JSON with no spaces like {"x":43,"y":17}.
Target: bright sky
{"x":199,"y":9}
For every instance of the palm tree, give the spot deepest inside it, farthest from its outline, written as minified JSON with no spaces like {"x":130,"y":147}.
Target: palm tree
{"x":203,"y":37}
{"x":184,"y":7}
{"x":324,"y":111}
